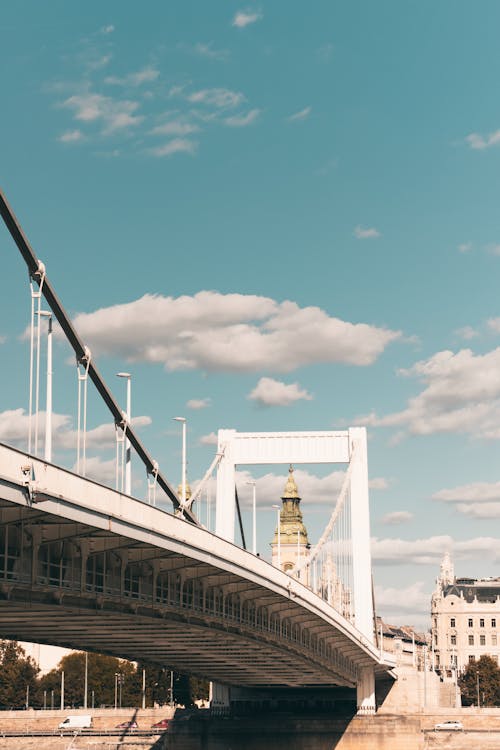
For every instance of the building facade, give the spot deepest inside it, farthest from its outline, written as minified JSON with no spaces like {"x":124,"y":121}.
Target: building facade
{"x":465,"y":616}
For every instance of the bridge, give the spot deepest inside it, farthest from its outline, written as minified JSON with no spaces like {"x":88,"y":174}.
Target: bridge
{"x":87,"y":566}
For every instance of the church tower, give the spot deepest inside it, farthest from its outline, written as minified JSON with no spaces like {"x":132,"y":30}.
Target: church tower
{"x":290,"y":544}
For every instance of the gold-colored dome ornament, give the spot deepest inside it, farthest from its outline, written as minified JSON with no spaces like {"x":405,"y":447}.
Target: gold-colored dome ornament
{"x":290,"y":490}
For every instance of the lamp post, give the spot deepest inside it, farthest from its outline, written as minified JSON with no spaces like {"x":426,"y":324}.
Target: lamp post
{"x":183,"y":421}
{"x":279,"y":534}
{"x":48,"y":399}
{"x":86,"y":680}
{"x":253,"y":483}
{"x":128,"y":466}
{"x":116,"y":690}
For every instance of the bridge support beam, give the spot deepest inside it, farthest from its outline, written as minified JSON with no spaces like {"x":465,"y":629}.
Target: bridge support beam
{"x":360,"y":529}
{"x":225,"y":504}
{"x":365,"y":693}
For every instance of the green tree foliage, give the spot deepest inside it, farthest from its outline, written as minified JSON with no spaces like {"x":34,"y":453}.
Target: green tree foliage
{"x":108,"y":679}
{"x":104,"y":675}
{"x":18,"y":677}
{"x":481,"y":676}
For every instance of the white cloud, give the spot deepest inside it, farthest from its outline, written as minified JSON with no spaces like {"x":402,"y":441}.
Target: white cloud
{"x":146,"y":75}
{"x":474,"y":492}
{"x":198,"y":403}
{"x":378,"y":483}
{"x":493,"y":249}
{"x":270,"y":392}
{"x":411,"y":598}
{"x":467,"y":333}
{"x":465,"y":247}
{"x":462,"y":394}
{"x":96,"y":62}
{"x":241,"y":121}
{"x":430,"y":551}
{"x":245,"y":18}
{"x":217,"y":97}
{"x":229,"y":332}
{"x":175,"y":146}
{"x":315,"y":492}
{"x":367,"y":233}
{"x":479,"y":510}
{"x":107,"y":29}
{"x":477,"y":500}
{"x":175,"y":127}
{"x":208,"y":51}
{"x":210,"y":439}
{"x":114,"y":114}
{"x":494,"y":325}
{"x":397,"y":517}
{"x":14,"y":429}
{"x":71,"y":136}
{"x":301,"y":115}
{"x":480,"y":142}
{"x":102,"y":471}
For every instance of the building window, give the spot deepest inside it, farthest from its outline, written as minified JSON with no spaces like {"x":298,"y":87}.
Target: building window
{"x":493,"y":623}
{"x":482,"y":640}
{"x":471,"y":640}
{"x":453,"y":640}
{"x":481,"y":622}
{"x":472,"y":659}
{"x":494,"y":639}
{"x":470,"y":622}
{"x":452,"y":622}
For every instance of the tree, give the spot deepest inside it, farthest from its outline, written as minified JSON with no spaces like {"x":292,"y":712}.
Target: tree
{"x":105,"y":675}
{"x":18,"y":677}
{"x":481,"y":677}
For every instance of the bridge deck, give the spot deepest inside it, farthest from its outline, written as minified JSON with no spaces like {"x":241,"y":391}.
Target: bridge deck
{"x":87,"y":567}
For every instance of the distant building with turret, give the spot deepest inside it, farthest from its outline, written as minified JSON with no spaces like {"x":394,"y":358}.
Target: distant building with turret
{"x":290,"y":545}
{"x":465,"y":615}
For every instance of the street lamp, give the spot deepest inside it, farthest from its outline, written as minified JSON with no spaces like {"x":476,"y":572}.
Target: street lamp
{"x":128,"y":466}
{"x":48,"y":401}
{"x":252,"y":483}
{"x":279,"y":534}
{"x":86,"y":680}
{"x":183,"y":421}
{"x":116,"y":690}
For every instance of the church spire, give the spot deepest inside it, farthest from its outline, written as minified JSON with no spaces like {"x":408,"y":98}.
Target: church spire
{"x":290,"y":490}
{"x":291,"y":536}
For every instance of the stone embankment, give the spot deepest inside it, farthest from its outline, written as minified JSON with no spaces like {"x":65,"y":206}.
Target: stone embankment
{"x":280,"y":731}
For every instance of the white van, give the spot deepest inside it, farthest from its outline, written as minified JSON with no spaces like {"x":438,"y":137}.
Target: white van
{"x":76,"y":722}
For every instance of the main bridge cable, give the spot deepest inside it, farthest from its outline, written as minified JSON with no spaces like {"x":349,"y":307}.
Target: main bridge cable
{"x":37,"y":274}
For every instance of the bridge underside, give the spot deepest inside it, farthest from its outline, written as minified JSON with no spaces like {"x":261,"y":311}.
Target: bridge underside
{"x":143,"y":634}
{"x":120,"y":577}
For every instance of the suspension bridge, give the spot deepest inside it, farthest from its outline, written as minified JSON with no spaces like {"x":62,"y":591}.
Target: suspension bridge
{"x":87,"y":566}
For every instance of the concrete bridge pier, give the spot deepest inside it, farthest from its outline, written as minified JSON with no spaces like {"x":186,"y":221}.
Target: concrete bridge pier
{"x":365,"y":692}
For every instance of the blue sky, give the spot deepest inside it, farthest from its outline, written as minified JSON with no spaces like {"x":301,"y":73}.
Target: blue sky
{"x":276,"y":217}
